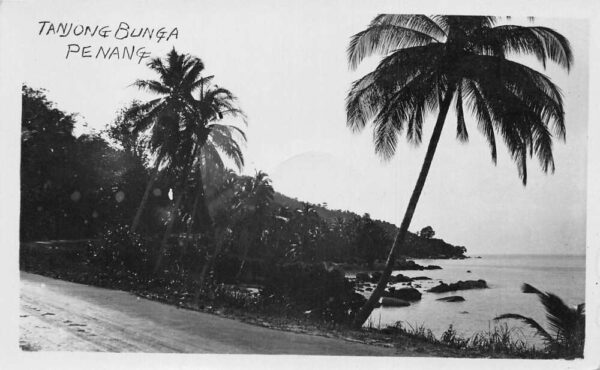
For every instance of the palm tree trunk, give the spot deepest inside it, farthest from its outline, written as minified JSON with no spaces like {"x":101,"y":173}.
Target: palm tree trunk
{"x":138,"y":213}
{"x":243,"y":262}
{"x":365,"y":311}
{"x":193,"y":214}
{"x":180,"y":192}
{"x":206,"y":220}
{"x":169,"y":230}
{"x":210,"y":231}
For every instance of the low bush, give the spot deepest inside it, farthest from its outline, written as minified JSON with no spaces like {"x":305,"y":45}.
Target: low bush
{"x":120,"y":250}
{"x":326,"y":293}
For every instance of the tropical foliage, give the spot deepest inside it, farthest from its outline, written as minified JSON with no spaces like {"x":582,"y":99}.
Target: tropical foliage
{"x":567,"y":324}
{"x":92,"y":187}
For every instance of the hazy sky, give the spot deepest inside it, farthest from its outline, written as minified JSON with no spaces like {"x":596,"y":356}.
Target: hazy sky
{"x":287,"y":64}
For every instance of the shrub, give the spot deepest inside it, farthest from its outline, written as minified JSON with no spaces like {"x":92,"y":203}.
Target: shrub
{"x":325,"y":292}
{"x":120,"y":250}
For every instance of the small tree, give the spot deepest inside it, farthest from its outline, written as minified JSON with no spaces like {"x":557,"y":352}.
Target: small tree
{"x":427,"y":232}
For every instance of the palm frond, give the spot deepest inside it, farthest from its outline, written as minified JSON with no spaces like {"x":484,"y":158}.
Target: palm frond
{"x":152,"y":86}
{"x":414,"y":134}
{"x":567,"y":322}
{"x":531,"y":322}
{"x":192,"y":74}
{"x":223,"y":141}
{"x":211,"y":157}
{"x":156,"y":64}
{"x":388,"y":32}
{"x":397,"y":111}
{"x":544,"y":43}
{"x":461,"y":127}
{"x":536,"y":90}
{"x":200,"y":83}
{"x":368,"y":94}
{"x":466,"y":24}
{"x":150,"y":114}
{"x":231,"y":129}
{"x":481,"y":112}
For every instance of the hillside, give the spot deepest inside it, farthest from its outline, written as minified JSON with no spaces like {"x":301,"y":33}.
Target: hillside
{"x":415,"y":246}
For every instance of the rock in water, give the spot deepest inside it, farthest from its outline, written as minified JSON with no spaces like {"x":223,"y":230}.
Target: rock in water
{"x":460,"y":285}
{"x":393,"y":302}
{"x":407,"y":294}
{"x":400,"y":279}
{"x":452,"y":298}
{"x":421,"y":278}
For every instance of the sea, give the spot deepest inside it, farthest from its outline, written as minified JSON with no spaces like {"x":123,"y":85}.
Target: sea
{"x":563,"y":275}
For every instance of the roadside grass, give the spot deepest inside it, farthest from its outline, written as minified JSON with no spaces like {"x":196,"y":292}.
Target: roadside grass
{"x":499,"y":340}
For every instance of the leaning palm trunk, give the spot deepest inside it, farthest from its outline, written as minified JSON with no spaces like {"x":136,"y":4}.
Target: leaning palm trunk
{"x":363,"y":314}
{"x":140,"y":210}
{"x":244,"y":257}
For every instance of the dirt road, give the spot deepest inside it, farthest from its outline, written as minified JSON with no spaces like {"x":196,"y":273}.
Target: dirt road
{"x":59,"y":315}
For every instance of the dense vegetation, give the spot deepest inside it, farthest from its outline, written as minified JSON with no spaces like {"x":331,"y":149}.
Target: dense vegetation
{"x":86,"y":191}
{"x":76,"y":187}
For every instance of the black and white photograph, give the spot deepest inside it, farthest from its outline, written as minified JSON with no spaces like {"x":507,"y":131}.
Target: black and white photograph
{"x":299,"y":181}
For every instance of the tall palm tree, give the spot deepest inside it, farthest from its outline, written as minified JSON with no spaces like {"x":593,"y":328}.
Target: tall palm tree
{"x":184,"y":129}
{"x":252,"y":204}
{"x":567,"y":323}
{"x":178,"y":78}
{"x":432,"y":61}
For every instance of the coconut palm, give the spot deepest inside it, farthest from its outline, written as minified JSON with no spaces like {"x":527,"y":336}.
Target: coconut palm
{"x":252,"y":204}
{"x":184,"y":130}
{"x":178,"y":78}
{"x":433,"y":62}
{"x":567,"y":323}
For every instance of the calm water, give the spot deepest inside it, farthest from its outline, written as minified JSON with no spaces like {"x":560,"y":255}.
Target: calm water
{"x":561,"y":275}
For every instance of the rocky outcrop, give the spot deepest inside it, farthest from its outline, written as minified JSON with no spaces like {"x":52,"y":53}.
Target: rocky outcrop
{"x":407,"y":294}
{"x":400,"y":279}
{"x":452,"y":298}
{"x":365,"y":277}
{"x":460,"y":285}
{"x":393,"y":302}
{"x":421,"y":278}
{"x":412,"y":265}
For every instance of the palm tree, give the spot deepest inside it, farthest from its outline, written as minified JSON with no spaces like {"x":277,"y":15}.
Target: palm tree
{"x":567,"y":323}
{"x":184,"y":132}
{"x":252,"y":204}
{"x":163,"y":115}
{"x":431,"y":61}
